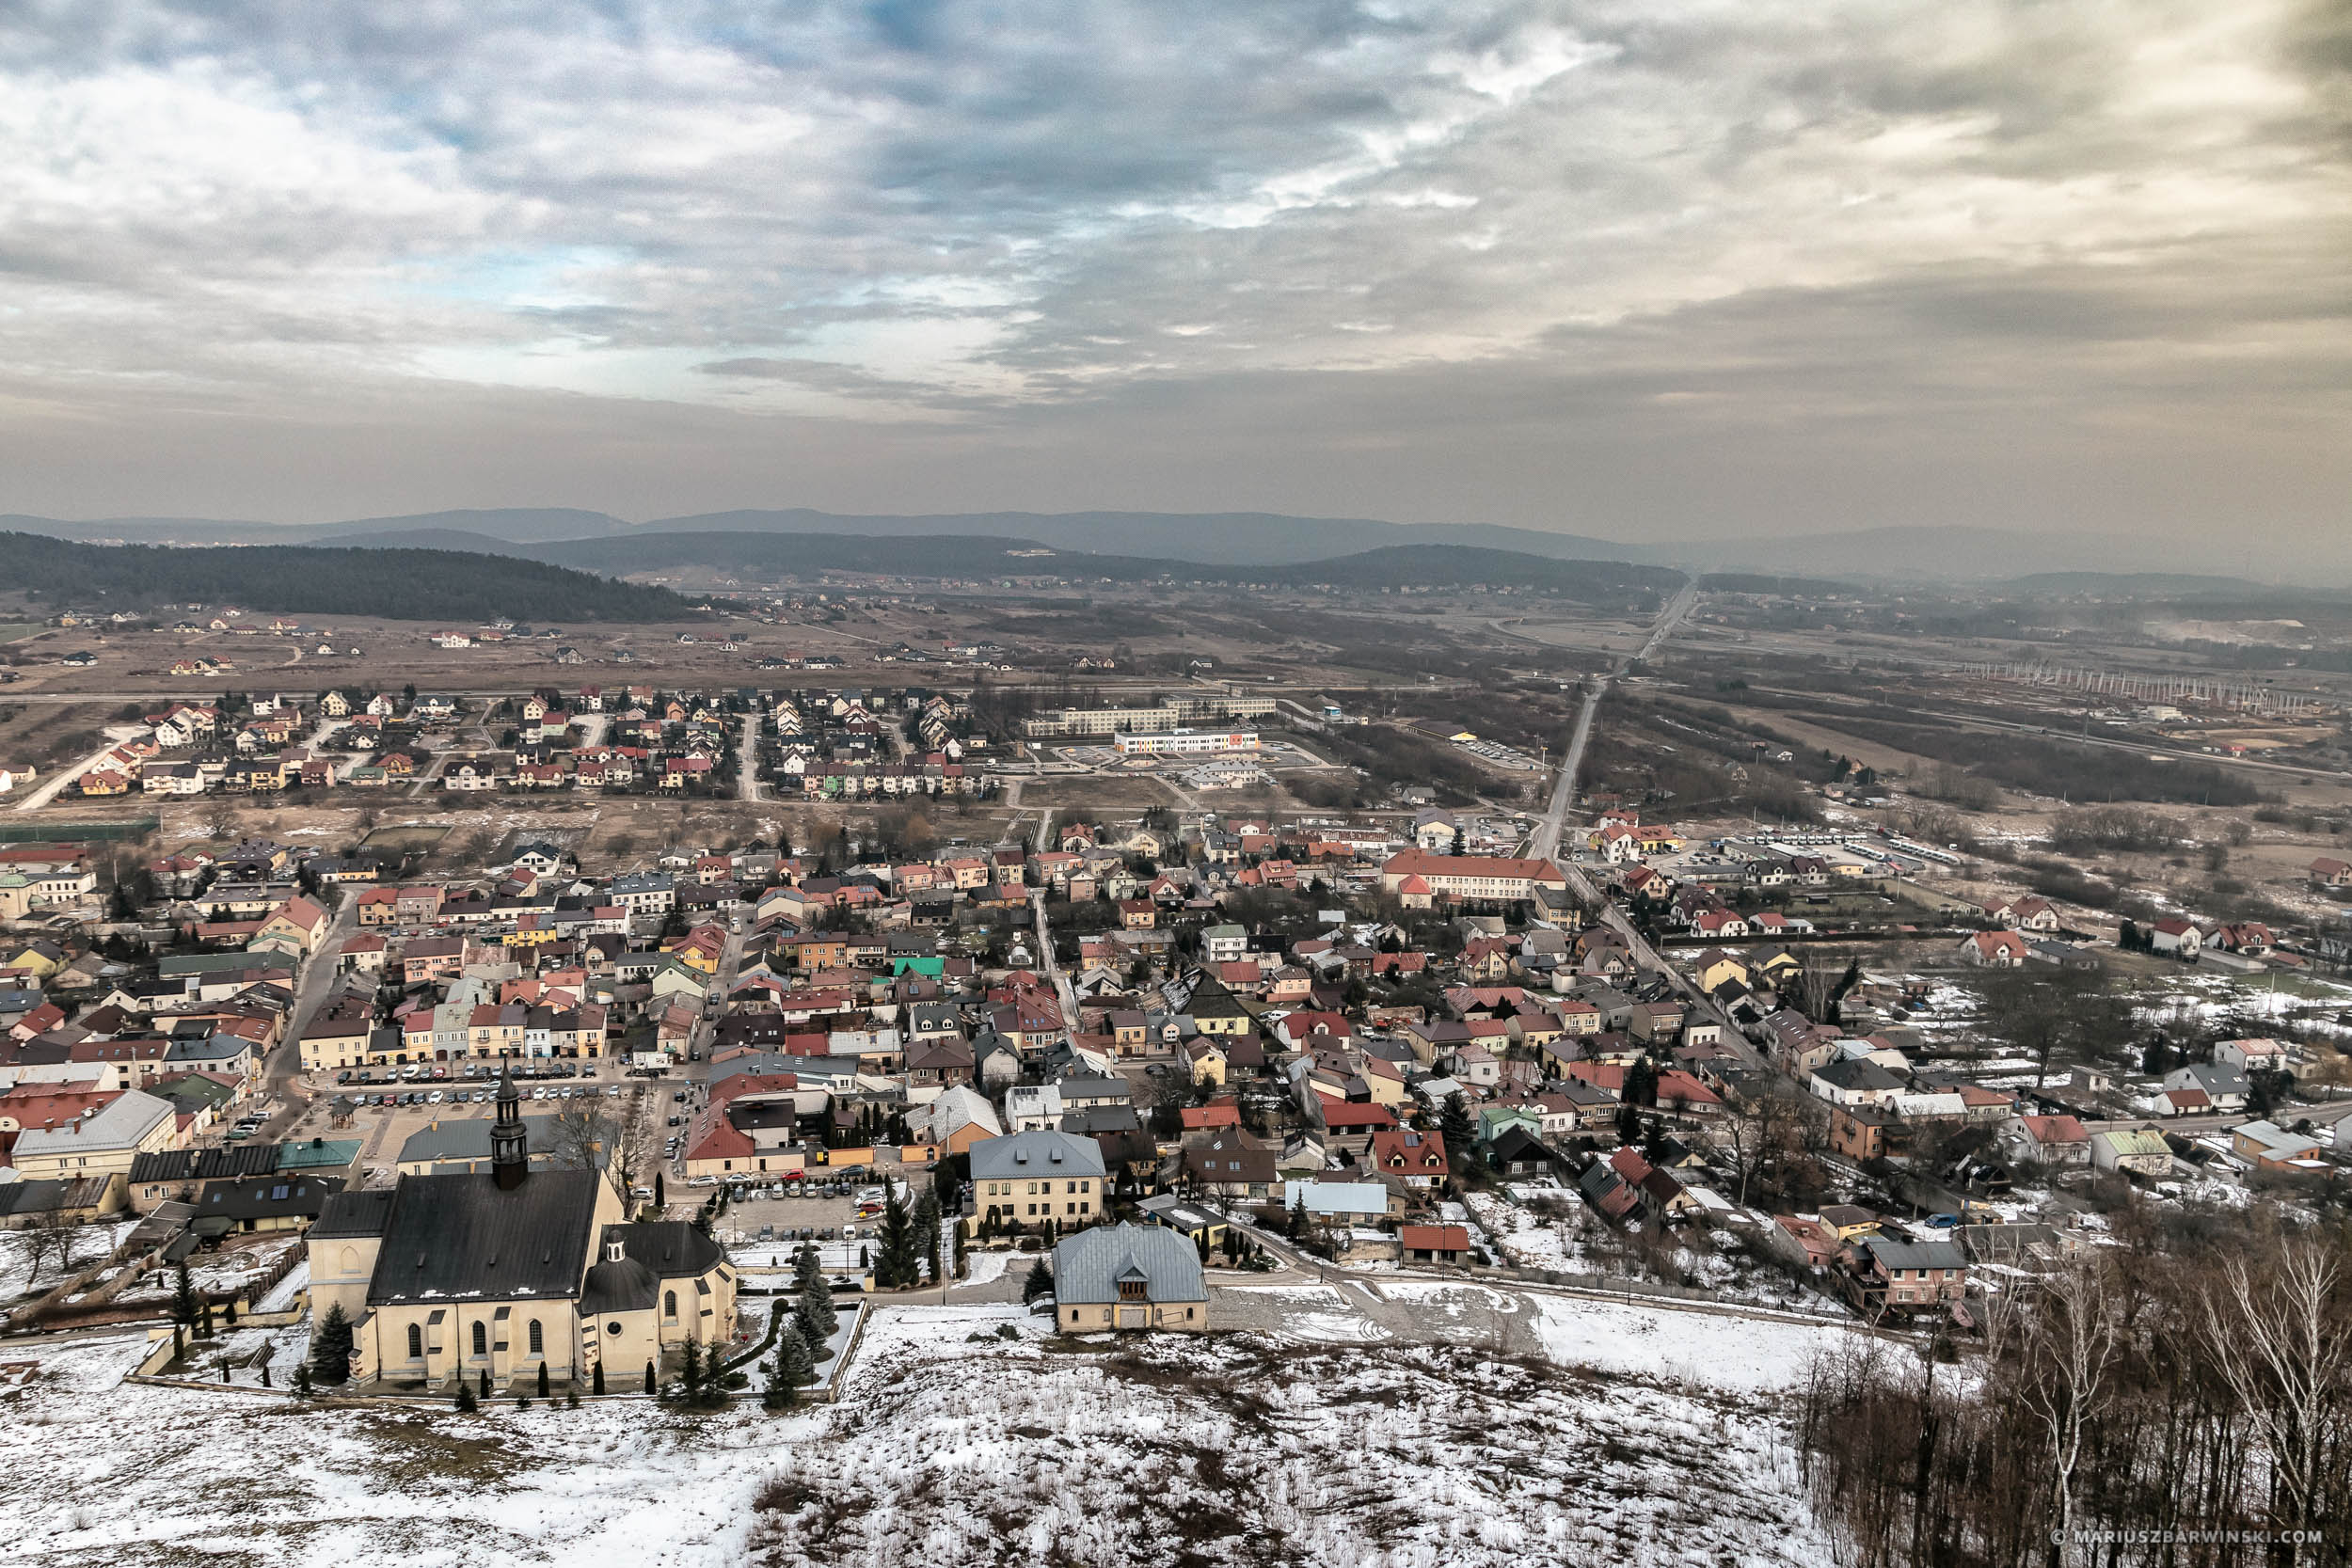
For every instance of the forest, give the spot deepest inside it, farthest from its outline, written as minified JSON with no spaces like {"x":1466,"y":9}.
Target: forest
{"x":400,"y":584}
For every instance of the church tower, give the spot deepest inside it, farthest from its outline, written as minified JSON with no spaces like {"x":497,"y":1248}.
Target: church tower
{"x":510,"y":1160}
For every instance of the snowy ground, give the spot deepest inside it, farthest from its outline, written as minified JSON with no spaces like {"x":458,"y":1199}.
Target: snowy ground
{"x":1393,"y":1424}
{"x":90,"y":1243}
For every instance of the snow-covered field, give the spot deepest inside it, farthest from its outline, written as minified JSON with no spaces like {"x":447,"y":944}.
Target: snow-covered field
{"x":1395,"y":1426}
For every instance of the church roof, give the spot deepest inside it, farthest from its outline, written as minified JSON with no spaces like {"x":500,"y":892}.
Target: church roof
{"x":463,"y":1237}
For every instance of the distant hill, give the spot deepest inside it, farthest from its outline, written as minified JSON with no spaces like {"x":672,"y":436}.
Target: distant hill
{"x":1218,"y":538}
{"x":400,"y":584}
{"x":1604,"y":583}
{"x":522,"y":525}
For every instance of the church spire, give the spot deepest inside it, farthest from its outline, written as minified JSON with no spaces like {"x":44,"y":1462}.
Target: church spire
{"x":510,"y":1158}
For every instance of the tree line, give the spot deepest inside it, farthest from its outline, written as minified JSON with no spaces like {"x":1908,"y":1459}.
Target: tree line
{"x":400,"y":585}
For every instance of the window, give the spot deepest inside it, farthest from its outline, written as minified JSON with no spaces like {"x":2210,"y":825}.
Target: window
{"x":1131,"y":1290}
{"x":480,"y":1340}
{"x":669,"y":1304}
{"x":538,"y":1343}
{"x":416,"y":1343}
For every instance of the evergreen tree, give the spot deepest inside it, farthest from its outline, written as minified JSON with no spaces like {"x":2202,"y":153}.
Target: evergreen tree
{"x":812,"y":1314}
{"x":485,"y":1383}
{"x":595,"y":1383}
{"x":1454,"y":1124}
{"x":659,"y":1200}
{"x":897,"y":1267}
{"x":330,"y":1349}
{"x":648,"y":1377}
{"x":1298,"y":1221}
{"x":186,"y":1309}
{"x":788,"y":1370}
{"x":1201,"y":1245}
{"x":691,"y":1378}
{"x":467,"y":1403}
{"x":543,"y":1380}
{"x":302,"y":1380}
{"x":927,"y":1229}
{"x":1039,"y":1285}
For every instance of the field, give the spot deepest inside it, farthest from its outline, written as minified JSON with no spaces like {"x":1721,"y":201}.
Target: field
{"x":966,"y":1434}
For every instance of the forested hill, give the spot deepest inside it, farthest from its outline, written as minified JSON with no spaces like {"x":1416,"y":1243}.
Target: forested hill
{"x":399,"y":584}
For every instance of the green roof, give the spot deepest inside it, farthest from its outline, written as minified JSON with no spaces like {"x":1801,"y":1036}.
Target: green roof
{"x":318,"y":1154}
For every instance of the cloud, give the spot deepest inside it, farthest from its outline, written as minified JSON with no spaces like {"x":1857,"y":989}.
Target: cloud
{"x":1048,"y":226}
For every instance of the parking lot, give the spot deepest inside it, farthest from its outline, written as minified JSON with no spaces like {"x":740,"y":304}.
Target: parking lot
{"x":417,"y":1104}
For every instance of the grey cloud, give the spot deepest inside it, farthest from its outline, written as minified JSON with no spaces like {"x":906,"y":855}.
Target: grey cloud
{"x":1714,"y":257}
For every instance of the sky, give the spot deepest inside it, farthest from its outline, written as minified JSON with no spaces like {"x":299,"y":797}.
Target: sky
{"x":1657,"y":269}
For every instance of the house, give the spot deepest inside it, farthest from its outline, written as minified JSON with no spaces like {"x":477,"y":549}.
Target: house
{"x":2054,"y":1140}
{"x":2177,"y":937}
{"x":1416,"y":1159}
{"x":1994,"y":950}
{"x":2249,"y":1056}
{"x":2139,"y":1151}
{"x":2224,"y":1087}
{"x":1913,"y":1274}
{"x":1031,"y":1177}
{"x":1129,"y":1276}
{"x":2328,"y":872}
{"x":2266,"y":1146}
{"x":1231,"y":1163}
{"x":1435,"y":1243}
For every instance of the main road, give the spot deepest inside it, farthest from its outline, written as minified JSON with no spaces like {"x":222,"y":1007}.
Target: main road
{"x":1544,"y":844}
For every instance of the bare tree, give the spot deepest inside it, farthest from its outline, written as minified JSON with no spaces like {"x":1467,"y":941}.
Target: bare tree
{"x":48,"y":1236}
{"x":586,"y":1135}
{"x":2283,"y":1351}
{"x":2071,"y":1349}
{"x":1758,"y":1129}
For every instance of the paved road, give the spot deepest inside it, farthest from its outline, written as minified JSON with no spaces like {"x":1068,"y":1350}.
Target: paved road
{"x":1546,"y":843}
{"x":747,"y":758}
{"x":281,"y":1076}
{"x":115,"y":734}
{"x":1062,"y":993}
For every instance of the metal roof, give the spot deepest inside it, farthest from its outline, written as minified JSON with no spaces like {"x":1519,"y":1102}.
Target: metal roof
{"x":1032,"y":1154}
{"x":1089,"y":1266}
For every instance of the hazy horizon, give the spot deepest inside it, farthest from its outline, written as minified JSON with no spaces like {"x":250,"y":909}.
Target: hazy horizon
{"x":1645,"y":272}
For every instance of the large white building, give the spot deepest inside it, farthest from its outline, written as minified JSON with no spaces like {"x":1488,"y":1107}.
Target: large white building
{"x":1186,"y":743}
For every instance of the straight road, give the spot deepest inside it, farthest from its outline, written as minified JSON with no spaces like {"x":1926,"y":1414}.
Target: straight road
{"x":1545,"y":843}
{"x":64,"y":776}
{"x":747,"y":758}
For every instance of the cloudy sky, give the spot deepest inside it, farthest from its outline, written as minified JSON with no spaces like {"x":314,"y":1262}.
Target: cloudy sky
{"x":1644,"y":268}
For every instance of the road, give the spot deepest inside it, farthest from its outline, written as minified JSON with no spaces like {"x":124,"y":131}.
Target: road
{"x":747,"y":758}
{"x":1062,"y":993}
{"x":1544,"y":844}
{"x":64,"y":776}
{"x":282,"y":1079}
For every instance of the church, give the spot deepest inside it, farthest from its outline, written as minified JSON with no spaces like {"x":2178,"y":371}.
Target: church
{"x":509,"y":1270}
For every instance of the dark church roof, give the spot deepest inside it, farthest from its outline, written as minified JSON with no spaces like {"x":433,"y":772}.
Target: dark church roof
{"x":463,"y":1237}
{"x":354,"y":1213}
{"x":650,"y":1253}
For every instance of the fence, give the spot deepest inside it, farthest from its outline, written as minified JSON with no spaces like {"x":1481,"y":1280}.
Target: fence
{"x":77,"y":832}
